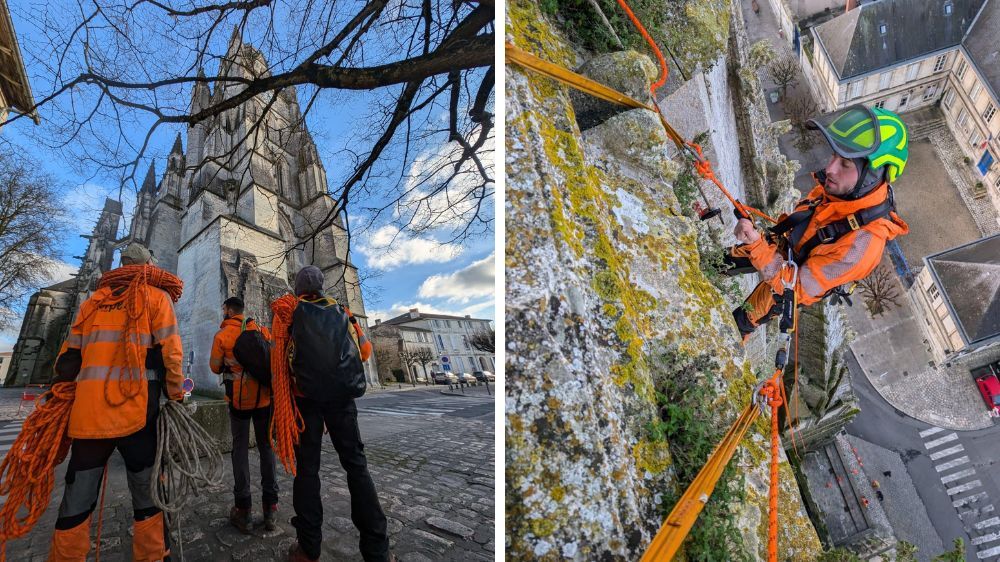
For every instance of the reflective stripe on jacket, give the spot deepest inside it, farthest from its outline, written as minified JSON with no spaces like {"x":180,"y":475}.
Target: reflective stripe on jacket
{"x":245,"y":388}
{"x":850,"y":258}
{"x":95,"y":343}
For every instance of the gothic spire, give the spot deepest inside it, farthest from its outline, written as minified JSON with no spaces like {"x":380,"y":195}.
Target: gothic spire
{"x":149,"y":184}
{"x":177,"y":148}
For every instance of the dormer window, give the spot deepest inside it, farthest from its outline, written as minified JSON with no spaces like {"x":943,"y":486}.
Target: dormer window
{"x":883,"y":29}
{"x":948,"y":8}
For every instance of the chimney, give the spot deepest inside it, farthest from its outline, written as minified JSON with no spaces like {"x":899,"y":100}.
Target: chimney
{"x":414,"y":313}
{"x":378,"y":321}
{"x":851,"y":4}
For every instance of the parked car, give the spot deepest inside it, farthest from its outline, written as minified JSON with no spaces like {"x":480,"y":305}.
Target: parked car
{"x":484,"y":376}
{"x":442,"y":377}
{"x":989,"y":387}
{"x":466,"y":378}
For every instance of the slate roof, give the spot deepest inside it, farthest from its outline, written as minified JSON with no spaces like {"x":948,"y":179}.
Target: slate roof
{"x":404,"y":318}
{"x":856,"y":46}
{"x":982,"y":46}
{"x":969,"y":280}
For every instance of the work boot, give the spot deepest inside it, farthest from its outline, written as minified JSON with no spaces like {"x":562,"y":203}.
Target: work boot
{"x":295,"y":554}
{"x":269,"y":511}
{"x":240,"y":518}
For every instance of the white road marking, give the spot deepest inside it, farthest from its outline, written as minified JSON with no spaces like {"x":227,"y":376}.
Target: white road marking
{"x":958,"y":475}
{"x":941,"y":440}
{"x":986,"y":538}
{"x":931,"y":431}
{"x":991,"y":522}
{"x":988,"y":509}
{"x":989,"y":552}
{"x":947,"y":452}
{"x":969,"y":499}
{"x":951,"y":464}
{"x":964,"y":487}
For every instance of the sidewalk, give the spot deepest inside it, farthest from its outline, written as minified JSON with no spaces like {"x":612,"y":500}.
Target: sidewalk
{"x":480,"y":390}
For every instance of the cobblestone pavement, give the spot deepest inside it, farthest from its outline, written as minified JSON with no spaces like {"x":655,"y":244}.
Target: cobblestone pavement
{"x":434,"y":473}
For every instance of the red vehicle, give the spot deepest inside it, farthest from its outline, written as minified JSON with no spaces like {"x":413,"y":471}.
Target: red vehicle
{"x":989,"y":385}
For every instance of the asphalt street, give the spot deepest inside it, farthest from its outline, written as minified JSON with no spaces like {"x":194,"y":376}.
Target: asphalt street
{"x":951,"y":470}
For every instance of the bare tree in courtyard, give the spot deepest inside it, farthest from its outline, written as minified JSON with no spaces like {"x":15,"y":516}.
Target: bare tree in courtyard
{"x":484,"y":340}
{"x":800,"y":110}
{"x":420,"y":77}
{"x":408,"y":358}
{"x":881,"y":291}
{"x":30,"y":231}
{"x":785,"y":73}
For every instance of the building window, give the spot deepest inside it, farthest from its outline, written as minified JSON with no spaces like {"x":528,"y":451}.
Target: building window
{"x":996,"y":184}
{"x":448,"y":322}
{"x":976,"y":88}
{"x":884,"y":80}
{"x":962,"y":67}
{"x":932,"y":291}
{"x":440,"y":343}
{"x":883,"y":29}
{"x":854,"y":90}
{"x":465,"y":342}
{"x":989,"y":113}
{"x":903,"y":100}
{"x":939,"y":62}
{"x":975,"y":138}
{"x":880,"y":104}
{"x":949,"y":97}
{"x":963,"y":119}
{"x":930,"y":91}
{"x":911,"y":71}
{"x":948,"y":8}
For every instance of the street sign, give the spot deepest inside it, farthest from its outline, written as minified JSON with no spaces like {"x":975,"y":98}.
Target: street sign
{"x":446,"y":367}
{"x":444,"y":359}
{"x":187,"y":386}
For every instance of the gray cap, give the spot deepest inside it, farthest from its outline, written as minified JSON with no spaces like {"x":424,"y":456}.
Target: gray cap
{"x":136,"y":254}
{"x":309,"y":280}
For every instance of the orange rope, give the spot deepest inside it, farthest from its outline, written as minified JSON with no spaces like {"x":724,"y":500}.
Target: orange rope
{"x":132,"y":278}
{"x":652,"y":44}
{"x":772,"y":390}
{"x":27,"y":474}
{"x":286,"y":424}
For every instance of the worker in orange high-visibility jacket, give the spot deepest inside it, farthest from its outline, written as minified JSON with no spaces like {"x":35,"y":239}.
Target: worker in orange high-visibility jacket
{"x":249,"y":402}
{"x":117,"y":401}
{"x":838,"y":233}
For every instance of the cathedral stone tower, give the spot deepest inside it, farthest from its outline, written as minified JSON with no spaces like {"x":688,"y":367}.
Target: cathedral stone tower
{"x":238,"y":213}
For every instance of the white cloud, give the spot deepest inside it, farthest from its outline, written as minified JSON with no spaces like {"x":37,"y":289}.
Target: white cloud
{"x":87,"y":200}
{"x":387,"y":248}
{"x":471,"y":282}
{"x":481,"y":310}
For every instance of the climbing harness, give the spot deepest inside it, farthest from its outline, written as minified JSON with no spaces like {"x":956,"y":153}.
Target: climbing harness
{"x":769,"y":396}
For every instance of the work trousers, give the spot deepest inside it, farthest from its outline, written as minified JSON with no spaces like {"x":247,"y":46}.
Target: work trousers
{"x":84,"y":475}
{"x":762,"y":305}
{"x":239,"y":423}
{"x":341,"y":420}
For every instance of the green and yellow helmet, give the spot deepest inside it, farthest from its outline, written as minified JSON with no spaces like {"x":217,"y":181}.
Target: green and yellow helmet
{"x":852,"y":134}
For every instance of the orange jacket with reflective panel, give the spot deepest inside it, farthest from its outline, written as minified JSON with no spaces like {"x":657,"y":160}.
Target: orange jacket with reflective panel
{"x":97,"y":333}
{"x":850,"y":258}
{"x":244,"y":388}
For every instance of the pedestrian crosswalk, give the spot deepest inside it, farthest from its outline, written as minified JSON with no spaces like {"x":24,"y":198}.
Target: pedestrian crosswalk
{"x":431,"y":407}
{"x":969,"y":498}
{"x":8,"y":433}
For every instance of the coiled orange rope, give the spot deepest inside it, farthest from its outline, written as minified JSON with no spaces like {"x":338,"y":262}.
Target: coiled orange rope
{"x":286,"y":424}
{"x":27,"y":474}
{"x":131,"y":278}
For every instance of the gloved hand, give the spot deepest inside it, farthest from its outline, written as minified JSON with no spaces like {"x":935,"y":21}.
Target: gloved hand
{"x":745,"y":232}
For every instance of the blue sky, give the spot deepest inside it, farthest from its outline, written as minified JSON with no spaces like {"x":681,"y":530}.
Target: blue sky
{"x":420,"y":272}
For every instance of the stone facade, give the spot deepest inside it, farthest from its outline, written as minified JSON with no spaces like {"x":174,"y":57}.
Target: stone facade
{"x":448,"y":336}
{"x":392,"y":342}
{"x":232,"y":215}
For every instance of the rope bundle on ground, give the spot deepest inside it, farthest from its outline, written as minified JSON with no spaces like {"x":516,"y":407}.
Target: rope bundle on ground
{"x":187,"y":458}
{"x":286,"y":424}
{"x":27,"y":474}
{"x":132,"y":278}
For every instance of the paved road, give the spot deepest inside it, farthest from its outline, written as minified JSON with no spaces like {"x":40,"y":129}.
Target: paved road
{"x":432,"y":459}
{"x":952,"y":471}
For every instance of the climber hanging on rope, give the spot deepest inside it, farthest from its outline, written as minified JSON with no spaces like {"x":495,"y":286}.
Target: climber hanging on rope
{"x":123,"y":347}
{"x":838,"y":232}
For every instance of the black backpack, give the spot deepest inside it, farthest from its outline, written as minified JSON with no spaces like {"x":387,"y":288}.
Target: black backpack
{"x":326,"y":361}
{"x":253,"y":352}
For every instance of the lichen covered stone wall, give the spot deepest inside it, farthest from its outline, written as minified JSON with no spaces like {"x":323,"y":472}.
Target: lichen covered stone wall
{"x":603,"y":275}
